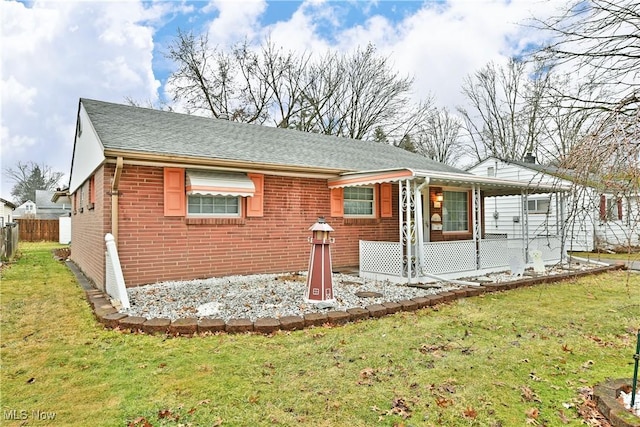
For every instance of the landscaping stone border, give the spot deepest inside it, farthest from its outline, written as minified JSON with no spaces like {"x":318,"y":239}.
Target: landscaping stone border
{"x":109,"y":316}
{"x":606,"y":398}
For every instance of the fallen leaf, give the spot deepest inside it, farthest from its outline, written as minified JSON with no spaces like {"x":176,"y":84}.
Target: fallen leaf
{"x":470,"y":413}
{"x":528,"y":395}
{"x":399,"y":407}
{"x":566,"y":348}
{"x":166,"y":413}
{"x":367,"y":373}
{"x":587,"y":364}
{"x":442,"y":402}
{"x":217,"y":422}
{"x":140,"y":421}
{"x":533,"y":413}
{"x":563,"y":417}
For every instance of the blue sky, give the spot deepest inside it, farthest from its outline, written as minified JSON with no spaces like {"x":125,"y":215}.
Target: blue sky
{"x":54,"y":52}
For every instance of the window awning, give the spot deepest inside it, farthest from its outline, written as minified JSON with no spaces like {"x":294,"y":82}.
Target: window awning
{"x":490,"y":186}
{"x":208,"y":183}
{"x":369,"y":178}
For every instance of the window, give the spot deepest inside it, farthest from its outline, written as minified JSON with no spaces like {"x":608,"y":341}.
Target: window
{"x":491,"y":171}
{"x":455,"y":211}
{"x":359,"y":201}
{"x":610,"y":208}
{"x":538,"y":206}
{"x":213,"y":205}
{"x":201,"y":193}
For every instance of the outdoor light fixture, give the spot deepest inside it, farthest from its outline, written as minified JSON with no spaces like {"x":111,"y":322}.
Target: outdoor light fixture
{"x":438,"y":201}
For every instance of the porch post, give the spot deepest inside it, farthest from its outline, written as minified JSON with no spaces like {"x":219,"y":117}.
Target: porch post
{"x":419,"y":227}
{"x":477,"y":222}
{"x":525,"y":225}
{"x":407,"y":227}
{"x":563,"y":236}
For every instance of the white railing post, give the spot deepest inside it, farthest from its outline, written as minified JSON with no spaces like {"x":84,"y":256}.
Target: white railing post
{"x":115,"y":285}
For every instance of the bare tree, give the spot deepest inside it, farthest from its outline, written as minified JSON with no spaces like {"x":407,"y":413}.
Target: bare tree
{"x":358,"y":95}
{"x":205,"y":76}
{"x":505,"y":117}
{"x":346,"y":95}
{"x":597,"y":40}
{"x":29,"y":177}
{"x":439,"y":139}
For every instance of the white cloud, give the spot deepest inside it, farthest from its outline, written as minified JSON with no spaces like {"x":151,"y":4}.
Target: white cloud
{"x":236,"y":20}
{"x":56,"y":52}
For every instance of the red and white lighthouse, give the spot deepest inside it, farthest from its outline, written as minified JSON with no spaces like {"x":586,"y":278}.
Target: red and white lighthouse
{"x":319,"y":279}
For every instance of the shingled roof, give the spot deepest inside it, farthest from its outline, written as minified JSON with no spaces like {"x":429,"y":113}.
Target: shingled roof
{"x":142,"y":130}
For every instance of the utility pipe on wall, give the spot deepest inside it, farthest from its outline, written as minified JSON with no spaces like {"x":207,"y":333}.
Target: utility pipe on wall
{"x":115,"y":184}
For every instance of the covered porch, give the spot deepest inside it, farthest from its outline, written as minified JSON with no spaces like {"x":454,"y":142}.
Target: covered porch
{"x":441,"y":234}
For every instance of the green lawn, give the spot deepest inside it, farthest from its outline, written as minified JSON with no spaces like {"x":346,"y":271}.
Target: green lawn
{"x":633,"y":256}
{"x":506,"y":359}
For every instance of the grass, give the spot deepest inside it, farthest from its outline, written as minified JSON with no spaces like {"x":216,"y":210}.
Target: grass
{"x":514,"y":358}
{"x":633,"y":256}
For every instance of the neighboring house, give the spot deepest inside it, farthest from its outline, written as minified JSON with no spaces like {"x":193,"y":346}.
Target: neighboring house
{"x":26,"y":210}
{"x":589,"y":218}
{"x":189,"y":197}
{"x":44,"y":206}
{"x":6,"y":212}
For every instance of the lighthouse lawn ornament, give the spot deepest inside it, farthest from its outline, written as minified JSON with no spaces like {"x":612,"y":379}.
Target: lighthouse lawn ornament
{"x":319,"y":279}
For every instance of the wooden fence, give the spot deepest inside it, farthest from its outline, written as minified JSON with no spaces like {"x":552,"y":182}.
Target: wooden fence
{"x":36,"y":230}
{"x":8,"y":241}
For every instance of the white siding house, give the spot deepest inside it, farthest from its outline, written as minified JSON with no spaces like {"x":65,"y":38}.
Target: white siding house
{"x":590,"y":219}
{"x":6,"y":212}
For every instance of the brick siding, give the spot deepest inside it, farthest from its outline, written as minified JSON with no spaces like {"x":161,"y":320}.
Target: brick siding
{"x":154,"y":248}
{"x":89,"y":226}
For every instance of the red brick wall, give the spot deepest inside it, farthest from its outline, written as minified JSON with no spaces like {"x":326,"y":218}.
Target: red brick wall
{"x":89,"y":224}
{"x":153,"y":247}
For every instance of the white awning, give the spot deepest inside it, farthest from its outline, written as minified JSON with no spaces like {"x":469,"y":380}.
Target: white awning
{"x":369,"y":178}
{"x":208,"y":183}
{"x":490,"y":186}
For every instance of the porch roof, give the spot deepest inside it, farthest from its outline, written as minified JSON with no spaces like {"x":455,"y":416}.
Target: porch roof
{"x":490,"y":186}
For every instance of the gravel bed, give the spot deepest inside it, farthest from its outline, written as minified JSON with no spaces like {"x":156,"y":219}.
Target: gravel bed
{"x":275,"y":295}
{"x":261,"y":295}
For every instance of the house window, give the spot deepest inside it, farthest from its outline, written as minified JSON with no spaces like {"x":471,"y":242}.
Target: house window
{"x":538,"y":206}
{"x":359,"y":201}
{"x":491,"y":171}
{"x":610,"y":209}
{"x":455,"y":211}
{"x":213,"y":205}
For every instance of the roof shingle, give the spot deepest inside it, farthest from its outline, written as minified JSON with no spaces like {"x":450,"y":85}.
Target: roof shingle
{"x":143,"y":130}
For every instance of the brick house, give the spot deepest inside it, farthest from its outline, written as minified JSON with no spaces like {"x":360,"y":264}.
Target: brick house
{"x":190,"y":197}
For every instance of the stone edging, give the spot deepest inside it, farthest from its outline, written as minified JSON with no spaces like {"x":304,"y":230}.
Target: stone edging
{"x":106,"y":314}
{"x":606,"y":397}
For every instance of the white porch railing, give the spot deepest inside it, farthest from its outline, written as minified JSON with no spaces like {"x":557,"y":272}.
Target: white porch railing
{"x":454,"y":259}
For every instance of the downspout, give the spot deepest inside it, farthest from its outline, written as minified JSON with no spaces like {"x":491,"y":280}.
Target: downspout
{"x":115,"y":183}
